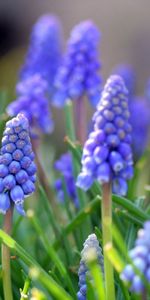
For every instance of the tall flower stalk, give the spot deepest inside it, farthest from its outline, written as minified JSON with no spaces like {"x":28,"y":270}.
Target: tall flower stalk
{"x":107,"y":157}
{"x":78,"y":75}
{"x":106,"y":211}
{"x":17,"y":178}
{"x":7,"y":287}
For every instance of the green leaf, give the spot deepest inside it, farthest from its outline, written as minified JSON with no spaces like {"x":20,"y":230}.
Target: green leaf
{"x":36,"y":271}
{"x":51,"y":251}
{"x":24,"y":292}
{"x":78,"y":220}
{"x":114,"y":257}
{"x":97,"y":278}
{"x":70,"y":130}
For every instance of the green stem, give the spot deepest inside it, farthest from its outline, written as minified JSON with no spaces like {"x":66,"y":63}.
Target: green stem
{"x":81,"y":123}
{"x":69,"y":121}
{"x":144,"y":295}
{"x":24,"y":292}
{"x":43,"y":177}
{"x":36,"y":271}
{"x":107,"y":238}
{"x":7,"y":288}
{"x":70,"y":131}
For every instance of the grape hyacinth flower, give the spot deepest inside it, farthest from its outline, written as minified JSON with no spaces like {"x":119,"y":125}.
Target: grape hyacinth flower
{"x":140,"y":121}
{"x":44,"y":53}
{"x":17,"y":167}
{"x":79,"y":72}
{"x":90,"y":245}
{"x":140,"y":256}
{"x":32,"y":102}
{"x":127,"y":73}
{"x":107,"y":154}
{"x":65,"y":168}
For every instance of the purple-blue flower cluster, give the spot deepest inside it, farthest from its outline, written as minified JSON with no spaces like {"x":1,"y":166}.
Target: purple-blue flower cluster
{"x":107,"y":154}
{"x":33,"y":103}
{"x":17,"y":167}
{"x":44,"y":53}
{"x":79,"y":72}
{"x":128,"y":74}
{"x":140,"y":121}
{"x":65,"y":167}
{"x":140,"y":256}
{"x":90,"y":245}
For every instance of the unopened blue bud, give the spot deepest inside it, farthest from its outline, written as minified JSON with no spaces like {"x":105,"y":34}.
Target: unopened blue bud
{"x":10,"y":148}
{"x":22,"y":177}
{"x":25,"y":162}
{"x":27,"y":150}
{"x":14,"y":167}
{"x":31,"y":170}
{"x":6,"y":159}
{"x":13,"y":138}
{"x":28,"y":187}
{"x":17,"y":155}
{"x":3,"y":170}
{"x":9,"y":182}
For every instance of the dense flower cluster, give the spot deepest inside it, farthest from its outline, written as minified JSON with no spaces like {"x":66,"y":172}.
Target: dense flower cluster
{"x":91,"y":244}
{"x":32,"y":102}
{"x":141,"y":261}
{"x":44,"y":54}
{"x":140,"y":121}
{"x":79,"y":72}
{"x":65,"y":167}
{"x":17,"y":167}
{"x":107,"y":153}
{"x":127,"y":73}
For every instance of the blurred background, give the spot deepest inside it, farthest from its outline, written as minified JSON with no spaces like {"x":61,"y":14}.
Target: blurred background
{"x":124,"y":26}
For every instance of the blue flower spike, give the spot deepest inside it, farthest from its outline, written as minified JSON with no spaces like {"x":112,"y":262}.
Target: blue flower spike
{"x":91,"y":247}
{"x":33,"y":103}
{"x":107,"y":154}
{"x":78,"y":74}
{"x":141,"y":262}
{"x":16,"y":179}
{"x":45,"y":50}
